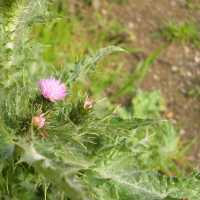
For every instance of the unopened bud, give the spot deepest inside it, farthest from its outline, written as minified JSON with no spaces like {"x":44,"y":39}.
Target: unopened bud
{"x":88,"y":104}
{"x":38,"y":121}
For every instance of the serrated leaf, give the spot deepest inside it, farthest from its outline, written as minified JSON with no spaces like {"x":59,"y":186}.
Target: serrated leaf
{"x":145,"y":140}
{"x":109,"y":113}
{"x":6,"y":150}
{"x":129,"y":124}
{"x":95,"y":179}
{"x":118,"y":123}
{"x":64,"y":180}
{"x":128,"y":183}
{"x":90,"y":63}
{"x":39,"y":19}
{"x":52,"y":15}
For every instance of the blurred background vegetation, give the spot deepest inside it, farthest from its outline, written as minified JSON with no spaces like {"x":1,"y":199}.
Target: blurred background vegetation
{"x":82,"y":30}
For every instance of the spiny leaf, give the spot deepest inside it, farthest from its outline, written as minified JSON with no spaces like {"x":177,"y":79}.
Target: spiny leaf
{"x":6,"y":150}
{"x":64,"y":180}
{"x":109,"y":113}
{"x":117,"y":123}
{"x":129,"y":183}
{"x":90,"y":63}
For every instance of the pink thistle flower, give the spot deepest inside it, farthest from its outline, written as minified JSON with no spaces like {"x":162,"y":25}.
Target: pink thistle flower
{"x":52,"y":89}
{"x":88,"y":104}
{"x":39,"y":121}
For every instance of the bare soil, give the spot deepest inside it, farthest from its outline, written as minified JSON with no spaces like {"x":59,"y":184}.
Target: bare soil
{"x":177,"y":69}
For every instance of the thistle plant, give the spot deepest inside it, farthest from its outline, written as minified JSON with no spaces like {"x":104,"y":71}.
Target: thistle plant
{"x":53,"y":147}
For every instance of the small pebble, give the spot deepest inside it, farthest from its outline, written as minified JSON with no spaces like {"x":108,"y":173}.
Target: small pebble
{"x":104,"y":11}
{"x":189,"y":73}
{"x":172,"y":3}
{"x":197,"y":59}
{"x":130,"y":24}
{"x":138,"y":19}
{"x":156,"y":77}
{"x":187,"y":50}
{"x":182,"y":132}
{"x":174,"y":68}
{"x":184,"y":91}
{"x":174,"y":121}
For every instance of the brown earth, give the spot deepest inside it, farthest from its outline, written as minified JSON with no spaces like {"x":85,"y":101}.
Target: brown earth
{"x":177,"y":69}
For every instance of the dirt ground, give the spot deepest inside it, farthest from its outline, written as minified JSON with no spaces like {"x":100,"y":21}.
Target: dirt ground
{"x":178,"y":67}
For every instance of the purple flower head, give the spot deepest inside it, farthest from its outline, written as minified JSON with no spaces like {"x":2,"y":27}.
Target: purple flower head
{"x":39,"y":121}
{"x":88,"y":104}
{"x":52,"y":89}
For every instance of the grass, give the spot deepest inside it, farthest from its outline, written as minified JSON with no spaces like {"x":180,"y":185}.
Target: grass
{"x":138,"y":75}
{"x":182,"y":33}
{"x":120,"y":1}
{"x":75,"y":35}
{"x":192,"y":5}
{"x":194,"y":92}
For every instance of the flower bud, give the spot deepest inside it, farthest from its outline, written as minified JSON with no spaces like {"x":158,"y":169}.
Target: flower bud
{"x":38,"y":121}
{"x":88,"y":104}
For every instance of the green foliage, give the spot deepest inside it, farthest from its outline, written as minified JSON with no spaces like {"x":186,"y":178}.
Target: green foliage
{"x":194,"y":92}
{"x":192,"y":5}
{"x":7,"y":5}
{"x":90,"y":63}
{"x":164,"y":148}
{"x":127,"y":82}
{"x":182,"y":33}
{"x":75,"y":154}
{"x":84,"y":32}
{"x":146,"y":185}
{"x":138,"y":75}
